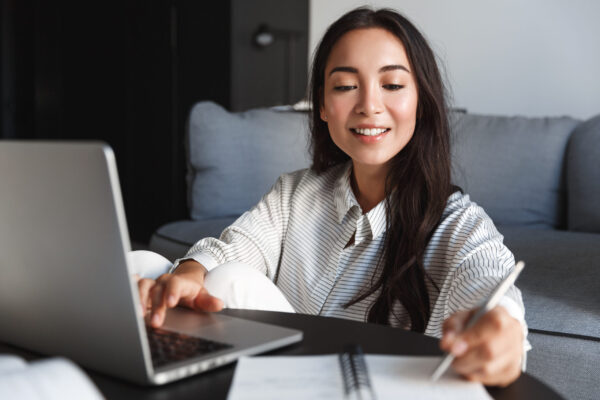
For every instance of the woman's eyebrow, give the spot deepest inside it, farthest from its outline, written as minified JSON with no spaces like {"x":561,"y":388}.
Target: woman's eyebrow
{"x":343,"y":69}
{"x":386,"y":68}
{"x":393,"y":68}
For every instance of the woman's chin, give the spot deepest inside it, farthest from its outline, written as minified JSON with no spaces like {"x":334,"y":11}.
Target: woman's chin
{"x":371,"y":162}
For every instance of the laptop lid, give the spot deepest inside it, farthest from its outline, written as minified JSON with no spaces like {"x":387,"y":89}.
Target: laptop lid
{"x":65,"y":288}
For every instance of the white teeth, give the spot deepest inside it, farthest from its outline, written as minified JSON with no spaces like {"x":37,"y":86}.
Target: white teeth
{"x":370,"y":132}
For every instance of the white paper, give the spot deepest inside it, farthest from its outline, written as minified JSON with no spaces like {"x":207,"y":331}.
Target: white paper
{"x":409,"y":377}
{"x":48,"y":379}
{"x":297,"y":377}
{"x":319,"y":377}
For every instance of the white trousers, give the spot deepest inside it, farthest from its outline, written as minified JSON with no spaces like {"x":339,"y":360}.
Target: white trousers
{"x":237,"y":284}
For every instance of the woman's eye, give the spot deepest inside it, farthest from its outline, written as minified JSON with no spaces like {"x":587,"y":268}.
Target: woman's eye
{"x":344,"y":88}
{"x":393,"y":87}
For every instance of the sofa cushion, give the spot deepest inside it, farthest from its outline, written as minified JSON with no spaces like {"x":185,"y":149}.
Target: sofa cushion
{"x":513,"y":166}
{"x":561,"y":279}
{"x":568,"y":365}
{"x":236,"y":157}
{"x":583,"y":177}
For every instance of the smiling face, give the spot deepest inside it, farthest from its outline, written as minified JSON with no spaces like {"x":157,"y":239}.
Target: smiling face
{"x":369,"y":97}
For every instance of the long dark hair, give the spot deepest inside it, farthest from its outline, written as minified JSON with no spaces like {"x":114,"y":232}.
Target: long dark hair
{"x":420,"y":172}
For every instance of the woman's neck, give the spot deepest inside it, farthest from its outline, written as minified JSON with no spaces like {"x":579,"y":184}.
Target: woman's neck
{"x":368,"y":185}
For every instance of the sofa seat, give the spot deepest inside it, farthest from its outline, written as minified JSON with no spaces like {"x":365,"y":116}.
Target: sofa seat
{"x":552,"y":280}
{"x":561,"y":291}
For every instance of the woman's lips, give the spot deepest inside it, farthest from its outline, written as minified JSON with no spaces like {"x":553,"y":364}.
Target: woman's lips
{"x":370,"y":135}
{"x":369,"y":130}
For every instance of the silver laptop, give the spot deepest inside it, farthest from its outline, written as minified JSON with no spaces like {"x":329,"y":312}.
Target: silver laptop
{"x":66,"y":288}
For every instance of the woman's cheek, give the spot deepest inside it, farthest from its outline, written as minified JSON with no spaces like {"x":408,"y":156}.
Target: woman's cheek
{"x":404,"y":107}
{"x":340,"y":106}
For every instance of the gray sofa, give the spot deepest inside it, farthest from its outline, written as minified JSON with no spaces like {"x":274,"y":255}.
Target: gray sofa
{"x":538,"y":178}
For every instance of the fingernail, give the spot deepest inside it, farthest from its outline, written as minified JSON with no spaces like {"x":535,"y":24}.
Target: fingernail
{"x":171,"y":300}
{"x":450,"y":337}
{"x":459,"y":347}
{"x":155,"y":319}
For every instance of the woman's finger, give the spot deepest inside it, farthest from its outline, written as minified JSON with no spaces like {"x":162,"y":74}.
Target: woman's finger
{"x":457,"y":321}
{"x":490,"y":324}
{"x":144,"y":286}
{"x":207,"y":302}
{"x":452,"y":326}
{"x":498,"y":373}
{"x":180,"y":290}
{"x":159,"y":306}
{"x":489,"y":357}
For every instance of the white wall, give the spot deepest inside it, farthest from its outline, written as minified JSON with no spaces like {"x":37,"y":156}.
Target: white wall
{"x":514,"y":57}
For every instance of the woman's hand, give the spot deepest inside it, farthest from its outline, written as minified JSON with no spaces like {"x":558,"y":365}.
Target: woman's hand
{"x":184,"y":287}
{"x":490,"y":351}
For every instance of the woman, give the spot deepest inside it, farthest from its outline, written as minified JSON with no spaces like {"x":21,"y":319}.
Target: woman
{"x":374,"y":230}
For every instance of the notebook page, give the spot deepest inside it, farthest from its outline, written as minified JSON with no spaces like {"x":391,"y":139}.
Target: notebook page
{"x":287,"y":377}
{"x":392,"y":376}
{"x":319,"y":377}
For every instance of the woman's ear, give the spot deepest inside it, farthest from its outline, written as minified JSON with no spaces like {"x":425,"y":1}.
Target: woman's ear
{"x":321,"y":108}
{"x":323,"y":115}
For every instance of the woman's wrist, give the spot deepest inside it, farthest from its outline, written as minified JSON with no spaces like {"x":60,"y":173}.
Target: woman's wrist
{"x":191,"y":268}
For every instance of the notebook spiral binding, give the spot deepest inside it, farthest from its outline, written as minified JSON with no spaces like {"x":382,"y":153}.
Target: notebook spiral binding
{"x":357,"y":384}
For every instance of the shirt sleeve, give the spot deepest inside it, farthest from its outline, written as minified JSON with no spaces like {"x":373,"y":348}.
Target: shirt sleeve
{"x":255,"y":238}
{"x":479,"y":261}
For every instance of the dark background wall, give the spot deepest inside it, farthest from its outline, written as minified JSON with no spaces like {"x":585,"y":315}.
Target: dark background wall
{"x":128,"y":72}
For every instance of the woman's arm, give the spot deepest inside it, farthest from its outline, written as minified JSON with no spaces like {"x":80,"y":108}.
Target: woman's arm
{"x":493,"y":350}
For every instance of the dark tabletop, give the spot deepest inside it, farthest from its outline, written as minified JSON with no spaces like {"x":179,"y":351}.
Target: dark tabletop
{"x":322,"y":335}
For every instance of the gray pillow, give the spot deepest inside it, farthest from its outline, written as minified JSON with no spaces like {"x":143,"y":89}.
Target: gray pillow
{"x":234,"y":158}
{"x":583,"y":177}
{"x":513,"y":166}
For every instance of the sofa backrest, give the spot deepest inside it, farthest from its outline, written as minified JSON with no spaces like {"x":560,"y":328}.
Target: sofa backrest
{"x":583,"y":177}
{"x":234,"y":158}
{"x":513,"y":166}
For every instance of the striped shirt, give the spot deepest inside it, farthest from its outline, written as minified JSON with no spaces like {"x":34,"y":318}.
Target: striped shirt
{"x":299,"y":234}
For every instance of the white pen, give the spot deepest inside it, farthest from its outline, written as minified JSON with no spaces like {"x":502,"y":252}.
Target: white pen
{"x":486,"y":306}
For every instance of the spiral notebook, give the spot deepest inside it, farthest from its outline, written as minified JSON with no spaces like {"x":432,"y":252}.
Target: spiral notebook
{"x":355,"y":374}
{"x":349,"y":375}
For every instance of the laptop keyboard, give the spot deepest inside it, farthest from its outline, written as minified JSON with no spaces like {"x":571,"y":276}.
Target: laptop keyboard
{"x":167,"y":346}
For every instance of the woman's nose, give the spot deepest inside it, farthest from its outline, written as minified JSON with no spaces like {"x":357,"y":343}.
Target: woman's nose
{"x":369,"y":102}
